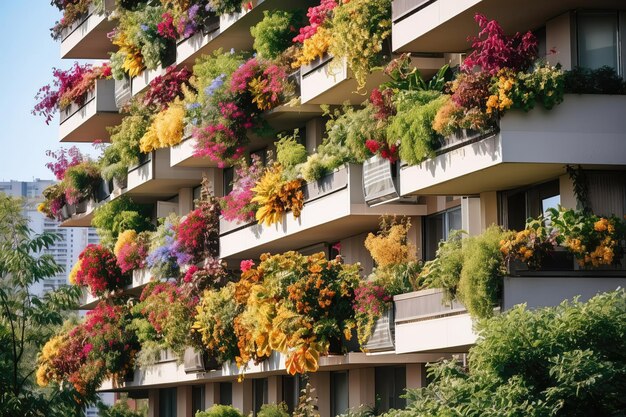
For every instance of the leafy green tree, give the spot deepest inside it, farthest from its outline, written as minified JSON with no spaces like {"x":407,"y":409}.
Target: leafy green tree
{"x":27,"y":320}
{"x":569,"y":360}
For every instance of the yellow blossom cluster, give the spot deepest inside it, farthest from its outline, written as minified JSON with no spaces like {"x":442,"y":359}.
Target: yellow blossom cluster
{"x":502,"y":100}
{"x":126,"y":237}
{"x":74,"y":272}
{"x":45,"y":372}
{"x":390,"y":246}
{"x":166,"y":129}
{"x":314,"y":47}
{"x":276,"y":196}
{"x":133,"y":60}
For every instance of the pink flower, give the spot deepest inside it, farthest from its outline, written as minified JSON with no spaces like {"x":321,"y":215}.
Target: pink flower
{"x":246,"y":265}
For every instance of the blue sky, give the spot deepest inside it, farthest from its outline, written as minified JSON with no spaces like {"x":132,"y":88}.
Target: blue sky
{"x":28,"y":56}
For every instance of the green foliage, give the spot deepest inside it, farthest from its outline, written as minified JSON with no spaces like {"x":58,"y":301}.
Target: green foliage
{"x":208,"y":67}
{"x":406,"y":77}
{"x":563,"y":361}
{"x":273,"y":410}
{"x":603,"y":80}
{"x":275,"y":32}
{"x":306,"y":402}
{"x":445,"y":270}
{"x":412,"y":125}
{"x":119,"y":409}
{"x":219,"y":410}
{"x":84,"y":178}
{"x":359,"y":30}
{"x":118,"y":215}
{"x":124,"y":149}
{"x":225,"y":6}
{"x":545,"y":84}
{"x":28,"y":320}
{"x":360,"y":411}
{"x":480,"y":284}
{"x":290,"y":154}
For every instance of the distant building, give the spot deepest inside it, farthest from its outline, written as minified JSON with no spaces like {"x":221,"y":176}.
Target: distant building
{"x":73,"y":239}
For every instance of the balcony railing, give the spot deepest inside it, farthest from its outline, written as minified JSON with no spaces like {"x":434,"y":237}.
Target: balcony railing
{"x":342,"y":190}
{"x":529,"y":148}
{"x":88,"y":122}
{"x":87,"y":37}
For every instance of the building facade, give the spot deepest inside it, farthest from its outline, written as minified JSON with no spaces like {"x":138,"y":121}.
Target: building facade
{"x":503,"y":177}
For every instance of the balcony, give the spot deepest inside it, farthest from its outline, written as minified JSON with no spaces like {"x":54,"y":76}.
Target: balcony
{"x":230,"y":31}
{"x":81,"y":214}
{"x":140,"y":83}
{"x":154,"y":178}
{"x":168,"y":373}
{"x":329,"y":81}
{"x":88,"y":122}
{"x":87,"y":38}
{"x":341,"y":190}
{"x":586,"y":130}
{"x":443,"y":25}
{"x":140,"y":279}
{"x":424,"y":324}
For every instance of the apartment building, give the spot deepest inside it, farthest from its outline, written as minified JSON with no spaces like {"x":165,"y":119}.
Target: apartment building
{"x":472,"y":181}
{"x":72,"y":239}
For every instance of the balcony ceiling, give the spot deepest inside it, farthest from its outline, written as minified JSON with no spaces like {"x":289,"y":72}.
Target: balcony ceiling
{"x":516,"y":16}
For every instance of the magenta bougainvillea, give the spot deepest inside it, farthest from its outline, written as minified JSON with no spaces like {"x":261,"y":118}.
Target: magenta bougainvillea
{"x":131,"y":256}
{"x":494,"y":50}
{"x":63,"y":159}
{"x":68,"y":86}
{"x":237,"y":205}
{"x":317,"y":16}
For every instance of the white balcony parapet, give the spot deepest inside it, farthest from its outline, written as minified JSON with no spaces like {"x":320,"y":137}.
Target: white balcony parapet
{"x":87,"y":38}
{"x":530,"y":147}
{"x":154,"y":177}
{"x":334,"y":208}
{"x":139,"y":279}
{"x":140,"y":83}
{"x":88,"y":122}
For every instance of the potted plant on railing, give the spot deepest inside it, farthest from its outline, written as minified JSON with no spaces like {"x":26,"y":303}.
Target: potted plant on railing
{"x":69,"y":87}
{"x":395,"y":273}
{"x":82,"y":182}
{"x":295,"y":305}
{"x":99,"y":272}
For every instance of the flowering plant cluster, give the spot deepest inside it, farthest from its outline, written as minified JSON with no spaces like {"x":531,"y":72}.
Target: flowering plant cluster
{"x":131,"y":250}
{"x":296,"y":305}
{"x":593,"y":240}
{"x":73,"y":11}
{"x":98,"y":270}
{"x":84,"y":355}
{"x":68,"y":87}
{"x":315,"y":37}
{"x":237,"y":205}
{"x":530,"y":245}
{"x":63,"y":159}
{"x":275,"y":196}
{"x":370,"y":302}
{"x":183,"y":19}
{"x":233,"y":104}
{"x":198,"y":233}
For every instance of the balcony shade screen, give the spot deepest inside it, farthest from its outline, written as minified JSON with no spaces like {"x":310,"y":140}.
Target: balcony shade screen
{"x":378,"y":184}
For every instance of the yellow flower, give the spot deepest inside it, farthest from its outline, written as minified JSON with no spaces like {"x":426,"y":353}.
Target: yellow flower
{"x":127,"y":236}
{"x":73,"y":272}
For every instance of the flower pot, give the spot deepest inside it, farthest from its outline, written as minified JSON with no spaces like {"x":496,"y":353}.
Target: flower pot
{"x":65,"y":212}
{"x":120,"y":183}
{"x":81,"y":207}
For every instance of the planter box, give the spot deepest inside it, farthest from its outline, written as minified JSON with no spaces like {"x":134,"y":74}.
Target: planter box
{"x":195,"y":362}
{"x":87,"y":37}
{"x":383,"y":334}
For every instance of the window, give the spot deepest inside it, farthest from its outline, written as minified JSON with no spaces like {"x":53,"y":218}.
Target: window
{"x":226,"y":393}
{"x":167,"y":402}
{"x":597,"y":34}
{"x":197,"y":399}
{"x":522,"y":203}
{"x":437,"y":227}
{"x":259,"y":394}
{"x":390,"y":383}
{"x":292,"y":385}
{"x":607,"y":192}
{"x":338,"y":393}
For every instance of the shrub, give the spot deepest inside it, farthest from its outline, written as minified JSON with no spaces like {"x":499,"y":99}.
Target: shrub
{"x":273,"y":410}
{"x":603,"y":80}
{"x":275,"y":32}
{"x":238,"y":205}
{"x":290,"y":154}
{"x":445,"y":270}
{"x":480,"y":283}
{"x":275,"y":196}
{"x":218,"y":410}
{"x":412,"y":125}
{"x":118,"y":215}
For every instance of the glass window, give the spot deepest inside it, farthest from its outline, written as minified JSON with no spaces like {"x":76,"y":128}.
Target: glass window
{"x":167,"y":402}
{"x":520,"y":204}
{"x":259,"y":393}
{"x":597,"y":39}
{"x":437,"y":227}
{"x":226,"y":393}
{"x":197,"y":399}
{"x":339,"y":392}
{"x":390,"y":383}
{"x":292,"y":385}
